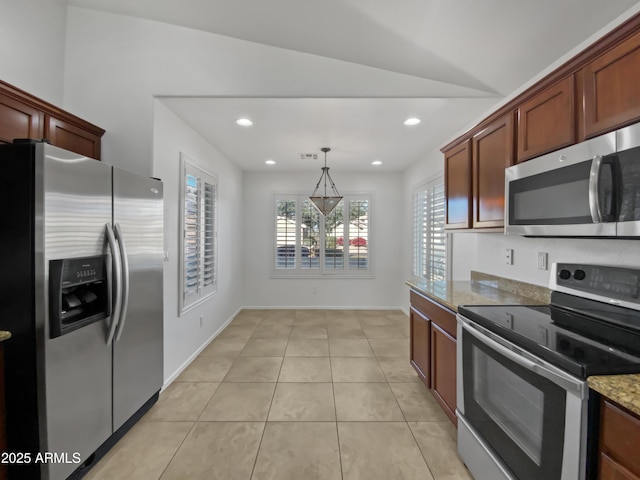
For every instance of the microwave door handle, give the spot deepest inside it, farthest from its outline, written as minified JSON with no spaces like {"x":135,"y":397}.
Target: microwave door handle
{"x":559,"y":378}
{"x":594,"y":185}
{"x":117,"y":283}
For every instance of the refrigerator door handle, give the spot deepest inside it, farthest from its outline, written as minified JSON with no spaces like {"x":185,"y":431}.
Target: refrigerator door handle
{"x":117,"y":283}
{"x":125,"y":280}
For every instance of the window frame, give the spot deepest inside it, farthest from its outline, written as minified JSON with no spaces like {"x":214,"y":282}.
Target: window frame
{"x":322,"y":271}
{"x":423,"y":255}
{"x":187,"y":301}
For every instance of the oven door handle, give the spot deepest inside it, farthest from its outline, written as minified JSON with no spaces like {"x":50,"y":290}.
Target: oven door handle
{"x":560,"y":378}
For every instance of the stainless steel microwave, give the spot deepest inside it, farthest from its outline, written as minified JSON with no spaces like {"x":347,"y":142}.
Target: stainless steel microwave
{"x":591,"y":189}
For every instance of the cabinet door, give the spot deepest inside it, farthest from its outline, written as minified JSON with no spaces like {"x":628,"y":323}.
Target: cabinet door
{"x":492,"y":153}
{"x":611,"y":88}
{"x":70,"y":137}
{"x":420,"y":345}
{"x":18,"y":120}
{"x":609,"y":469}
{"x":443,"y":370}
{"x":619,"y":440}
{"x":547,"y":121}
{"x":457,"y":180}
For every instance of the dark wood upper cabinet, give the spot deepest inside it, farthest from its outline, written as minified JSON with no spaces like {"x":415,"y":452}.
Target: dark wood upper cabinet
{"x":71,"y":137}
{"x":24,"y":116}
{"x":492,"y":152}
{"x":457,"y":180}
{"x":19,"y":120}
{"x":546,"y":122}
{"x":611,"y":88}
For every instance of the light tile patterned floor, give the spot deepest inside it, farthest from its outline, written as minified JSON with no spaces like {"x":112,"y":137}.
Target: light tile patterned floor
{"x":294,"y":394}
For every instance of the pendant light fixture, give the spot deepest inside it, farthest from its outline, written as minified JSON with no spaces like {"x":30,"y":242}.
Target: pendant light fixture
{"x":325,"y":203}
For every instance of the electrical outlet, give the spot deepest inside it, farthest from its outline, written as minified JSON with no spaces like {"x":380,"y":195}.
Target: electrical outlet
{"x":543,"y":260}
{"x":508,"y":256}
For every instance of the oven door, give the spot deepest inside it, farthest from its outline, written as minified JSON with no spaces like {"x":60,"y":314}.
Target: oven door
{"x":519,"y":418}
{"x":565,"y":193}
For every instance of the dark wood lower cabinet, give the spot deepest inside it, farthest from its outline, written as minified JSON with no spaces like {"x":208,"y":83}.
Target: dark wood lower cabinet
{"x":420,"y":345}
{"x":443,"y":370}
{"x":619,"y":457}
{"x":433,"y":350}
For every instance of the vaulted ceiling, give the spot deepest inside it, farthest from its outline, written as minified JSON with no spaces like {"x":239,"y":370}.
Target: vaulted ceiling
{"x":467,"y":54}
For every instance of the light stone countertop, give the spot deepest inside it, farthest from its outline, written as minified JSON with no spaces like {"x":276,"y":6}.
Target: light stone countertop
{"x":482,"y":289}
{"x":622,"y":389}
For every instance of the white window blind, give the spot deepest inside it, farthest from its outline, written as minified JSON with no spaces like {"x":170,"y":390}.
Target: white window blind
{"x":198,"y":220}
{"x":429,"y":235}
{"x":308,"y":243}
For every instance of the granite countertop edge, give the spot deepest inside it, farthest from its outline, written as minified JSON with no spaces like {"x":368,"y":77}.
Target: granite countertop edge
{"x":621,"y":389}
{"x":482,"y":289}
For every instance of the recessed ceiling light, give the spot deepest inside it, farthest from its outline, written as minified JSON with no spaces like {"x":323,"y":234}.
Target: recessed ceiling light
{"x":270,"y":162}
{"x":376,"y":162}
{"x":244,"y":122}
{"x":412,"y":121}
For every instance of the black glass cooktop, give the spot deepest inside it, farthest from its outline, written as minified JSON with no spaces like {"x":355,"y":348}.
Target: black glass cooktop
{"x":582,"y":337}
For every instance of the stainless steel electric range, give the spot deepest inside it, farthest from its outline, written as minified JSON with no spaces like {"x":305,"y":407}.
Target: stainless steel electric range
{"x":524,"y":409}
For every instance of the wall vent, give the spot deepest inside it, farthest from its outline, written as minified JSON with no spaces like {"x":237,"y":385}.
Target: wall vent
{"x":308,"y":156}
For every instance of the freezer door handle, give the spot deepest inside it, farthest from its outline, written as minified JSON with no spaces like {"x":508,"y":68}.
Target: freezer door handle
{"x":125,"y":280}
{"x":117,"y":283}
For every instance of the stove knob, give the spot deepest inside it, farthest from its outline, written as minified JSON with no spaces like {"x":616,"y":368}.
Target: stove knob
{"x":579,"y":274}
{"x":564,"y":274}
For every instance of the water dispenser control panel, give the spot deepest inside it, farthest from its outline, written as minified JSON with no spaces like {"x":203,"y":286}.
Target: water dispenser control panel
{"x":78,"y":293}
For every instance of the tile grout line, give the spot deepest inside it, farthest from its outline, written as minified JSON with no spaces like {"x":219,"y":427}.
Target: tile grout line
{"x":266,"y":420}
{"x":164,"y":470}
{"x":335,"y":406}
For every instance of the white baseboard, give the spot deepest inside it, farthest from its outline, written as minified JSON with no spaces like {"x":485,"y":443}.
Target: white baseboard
{"x":322,"y":307}
{"x":187,"y":362}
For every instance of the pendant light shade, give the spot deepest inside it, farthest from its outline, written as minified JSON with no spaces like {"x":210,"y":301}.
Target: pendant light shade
{"x":325,"y":203}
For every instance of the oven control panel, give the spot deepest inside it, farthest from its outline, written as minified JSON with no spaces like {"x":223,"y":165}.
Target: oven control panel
{"x":615,"y":282}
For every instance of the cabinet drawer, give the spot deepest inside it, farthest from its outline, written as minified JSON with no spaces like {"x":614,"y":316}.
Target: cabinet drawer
{"x":435,"y":312}
{"x":620,"y":436}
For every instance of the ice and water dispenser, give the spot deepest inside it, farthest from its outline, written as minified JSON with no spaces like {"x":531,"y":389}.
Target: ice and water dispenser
{"x":78,"y":293}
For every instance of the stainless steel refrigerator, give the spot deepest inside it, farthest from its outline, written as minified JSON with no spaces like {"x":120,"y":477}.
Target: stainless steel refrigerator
{"x":81,"y":291}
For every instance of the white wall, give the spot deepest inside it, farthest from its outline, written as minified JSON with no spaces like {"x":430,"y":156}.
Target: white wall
{"x":484,"y":252}
{"x":385,"y":290}
{"x":183,"y":335}
{"x":32,"y":46}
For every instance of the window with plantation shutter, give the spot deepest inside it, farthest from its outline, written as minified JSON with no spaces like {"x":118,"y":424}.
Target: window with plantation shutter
{"x":310,"y":244}
{"x":198,"y":219}
{"x":429,"y":236}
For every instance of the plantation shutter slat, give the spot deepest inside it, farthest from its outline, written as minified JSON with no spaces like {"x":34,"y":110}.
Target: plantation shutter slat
{"x":198,"y":246}
{"x":430,"y":238}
